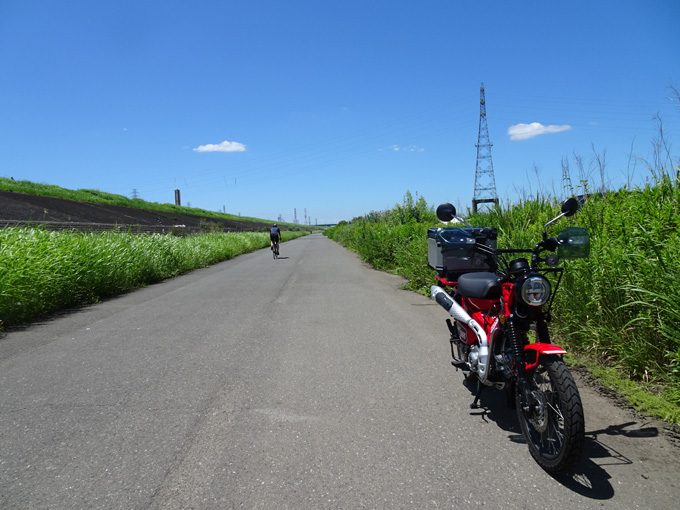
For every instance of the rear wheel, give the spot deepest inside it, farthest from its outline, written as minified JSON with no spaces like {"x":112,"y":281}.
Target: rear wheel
{"x":551,"y":416}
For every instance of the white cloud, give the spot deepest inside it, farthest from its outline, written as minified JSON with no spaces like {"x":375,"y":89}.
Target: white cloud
{"x":396,"y":148}
{"x":526,"y":131}
{"x":221,"y":147}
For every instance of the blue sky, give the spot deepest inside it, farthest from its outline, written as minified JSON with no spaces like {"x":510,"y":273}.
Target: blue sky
{"x":262,"y":107}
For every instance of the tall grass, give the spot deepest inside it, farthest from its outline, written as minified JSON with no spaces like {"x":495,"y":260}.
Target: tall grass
{"x":44,"y":271}
{"x":394,"y":240}
{"x":620,"y":307}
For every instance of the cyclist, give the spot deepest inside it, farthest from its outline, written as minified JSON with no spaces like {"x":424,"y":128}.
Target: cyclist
{"x":274,"y":236}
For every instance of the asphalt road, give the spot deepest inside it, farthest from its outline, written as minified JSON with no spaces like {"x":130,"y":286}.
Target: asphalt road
{"x":308,"y":382}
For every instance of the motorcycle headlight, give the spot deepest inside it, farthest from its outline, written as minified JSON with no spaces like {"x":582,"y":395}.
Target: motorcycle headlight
{"x":536,"y":291}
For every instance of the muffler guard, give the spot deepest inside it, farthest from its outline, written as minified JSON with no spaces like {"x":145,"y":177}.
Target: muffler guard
{"x":457,"y":312}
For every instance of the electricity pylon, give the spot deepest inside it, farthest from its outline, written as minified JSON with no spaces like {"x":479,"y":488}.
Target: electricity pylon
{"x":485,"y":182}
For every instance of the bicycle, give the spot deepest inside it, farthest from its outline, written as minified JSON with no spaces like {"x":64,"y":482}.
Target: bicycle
{"x":275,"y":237}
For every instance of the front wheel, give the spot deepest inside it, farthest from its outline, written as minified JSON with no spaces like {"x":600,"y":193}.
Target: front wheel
{"x":550,"y":414}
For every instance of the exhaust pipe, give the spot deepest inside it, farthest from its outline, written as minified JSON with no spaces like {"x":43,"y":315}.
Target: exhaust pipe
{"x":457,"y":312}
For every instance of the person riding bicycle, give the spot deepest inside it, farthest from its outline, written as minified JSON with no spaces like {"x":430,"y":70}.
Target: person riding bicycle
{"x":274,"y":235}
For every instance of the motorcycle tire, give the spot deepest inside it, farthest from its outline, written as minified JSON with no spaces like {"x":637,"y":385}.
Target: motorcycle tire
{"x":553,"y":422}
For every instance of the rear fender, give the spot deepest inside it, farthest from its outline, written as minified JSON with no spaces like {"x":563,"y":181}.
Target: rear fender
{"x":533,"y":352}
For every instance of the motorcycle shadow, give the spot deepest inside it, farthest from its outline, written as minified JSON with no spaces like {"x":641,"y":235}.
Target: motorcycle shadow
{"x":588,"y":478}
{"x":493,"y":406}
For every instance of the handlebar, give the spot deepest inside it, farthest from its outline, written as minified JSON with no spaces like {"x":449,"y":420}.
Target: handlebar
{"x":547,"y":244}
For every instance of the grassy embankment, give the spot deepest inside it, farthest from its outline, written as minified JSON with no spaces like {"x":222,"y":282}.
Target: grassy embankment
{"x":617,"y":311}
{"x":100,"y":197}
{"x":43,"y":271}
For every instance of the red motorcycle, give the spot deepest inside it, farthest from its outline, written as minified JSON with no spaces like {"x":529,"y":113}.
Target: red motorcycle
{"x":497,"y":305}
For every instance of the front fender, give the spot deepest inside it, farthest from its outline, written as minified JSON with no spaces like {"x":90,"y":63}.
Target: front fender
{"x":532,"y":353}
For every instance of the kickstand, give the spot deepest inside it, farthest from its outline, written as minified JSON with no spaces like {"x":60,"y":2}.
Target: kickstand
{"x":475,"y":404}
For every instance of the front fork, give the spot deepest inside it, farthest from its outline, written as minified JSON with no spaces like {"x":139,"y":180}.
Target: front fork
{"x":542,"y":333}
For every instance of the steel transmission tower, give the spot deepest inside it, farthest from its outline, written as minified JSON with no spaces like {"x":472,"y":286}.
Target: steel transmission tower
{"x":485,"y":182}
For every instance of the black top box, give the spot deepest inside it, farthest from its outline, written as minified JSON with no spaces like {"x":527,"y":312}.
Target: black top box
{"x":453,"y":249}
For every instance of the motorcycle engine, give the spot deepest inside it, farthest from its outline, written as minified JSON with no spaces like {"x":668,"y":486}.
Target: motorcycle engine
{"x":502,"y":359}
{"x":473,"y":357}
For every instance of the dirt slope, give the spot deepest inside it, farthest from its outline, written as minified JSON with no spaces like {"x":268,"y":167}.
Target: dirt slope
{"x":23,"y":207}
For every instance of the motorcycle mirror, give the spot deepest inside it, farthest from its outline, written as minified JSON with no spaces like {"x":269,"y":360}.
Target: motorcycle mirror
{"x":569,"y":206}
{"x":446,"y":212}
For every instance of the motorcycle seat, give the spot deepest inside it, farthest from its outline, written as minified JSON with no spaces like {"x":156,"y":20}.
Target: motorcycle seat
{"x":479,"y":285}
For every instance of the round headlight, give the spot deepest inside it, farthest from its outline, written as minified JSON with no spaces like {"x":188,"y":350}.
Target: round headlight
{"x":536,"y":291}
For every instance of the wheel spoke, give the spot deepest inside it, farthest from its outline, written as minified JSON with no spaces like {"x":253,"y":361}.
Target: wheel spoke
{"x":552,"y":419}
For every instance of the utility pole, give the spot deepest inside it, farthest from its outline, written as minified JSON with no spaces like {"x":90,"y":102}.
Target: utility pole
{"x":485,"y":182}
{"x":135,"y":194}
{"x":295,"y":220}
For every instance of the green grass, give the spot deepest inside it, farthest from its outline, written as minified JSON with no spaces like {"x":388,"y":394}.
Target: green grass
{"x":642,"y":396}
{"x":100,"y":197}
{"x":44,"y":271}
{"x":619,"y":308}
